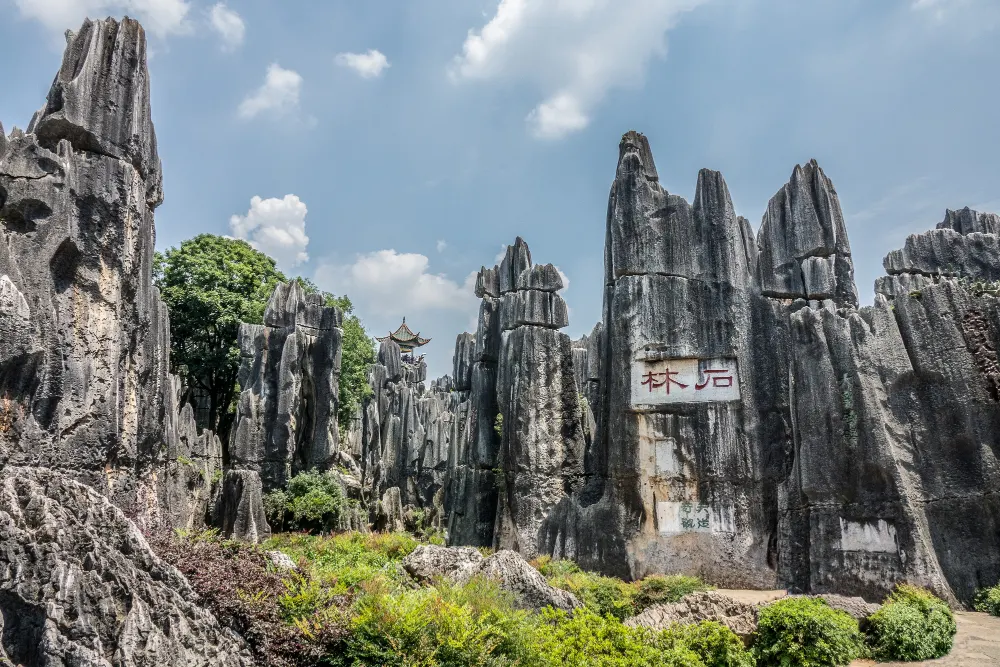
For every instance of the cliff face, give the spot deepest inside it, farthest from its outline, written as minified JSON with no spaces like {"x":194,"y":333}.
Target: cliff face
{"x":754,"y":426}
{"x":84,"y":355}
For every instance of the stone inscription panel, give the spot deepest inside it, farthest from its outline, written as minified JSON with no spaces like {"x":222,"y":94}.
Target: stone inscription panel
{"x":684,"y":381}
{"x":870,"y":536}
{"x":692,"y":517}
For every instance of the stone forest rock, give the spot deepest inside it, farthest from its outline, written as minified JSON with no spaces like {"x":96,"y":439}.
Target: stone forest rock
{"x":85,"y":385}
{"x":429,"y":562}
{"x":80,"y":585}
{"x":736,"y":415}
{"x":286,"y":418}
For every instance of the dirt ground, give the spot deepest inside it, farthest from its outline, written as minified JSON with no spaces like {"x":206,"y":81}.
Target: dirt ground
{"x":977,"y":643}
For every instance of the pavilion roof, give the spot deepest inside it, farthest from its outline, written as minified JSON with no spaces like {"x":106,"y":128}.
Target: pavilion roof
{"x":405,"y":336}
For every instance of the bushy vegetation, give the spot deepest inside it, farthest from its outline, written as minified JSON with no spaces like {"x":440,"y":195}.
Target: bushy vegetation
{"x":806,"y":632}
{"x":351,"y":603}
{"x":988,"y":601}
{"x":913,"y":624}
{"x":610,"y":596}
{"x":313,"y":501}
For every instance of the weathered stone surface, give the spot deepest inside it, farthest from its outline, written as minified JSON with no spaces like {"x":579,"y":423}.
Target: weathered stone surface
{"x":488,"y":283}
{"x":967,"y":221}
{"x":286,"y":418}
{"x":858,"y":609}
{"x":516,"y":576}
{"x":488,"y":331}
{"x":544,"y":277}
{"x":534,"y":307}
{"x":81,"y":585}
{"x":239,"y":510}
{"x":949,"y":253}
{"x":281,"y":561}
{"x":465,"y":348}
{"x":517,"y":259}
{"x":429,"y":562}
{"x":740,"y":617}
{"x":803,"y":241}
{"x":84,"y":373}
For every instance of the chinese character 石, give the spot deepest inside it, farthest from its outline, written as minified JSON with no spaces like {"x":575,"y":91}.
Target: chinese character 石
{"x":687,"y":523}
{"x":720,"y":379}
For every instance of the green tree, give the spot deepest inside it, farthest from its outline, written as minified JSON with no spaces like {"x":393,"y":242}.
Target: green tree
{"x":211,"y":284}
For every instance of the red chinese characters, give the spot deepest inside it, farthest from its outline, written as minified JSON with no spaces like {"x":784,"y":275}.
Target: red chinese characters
{"x":720,"y":379}
{"x":656,"y":380}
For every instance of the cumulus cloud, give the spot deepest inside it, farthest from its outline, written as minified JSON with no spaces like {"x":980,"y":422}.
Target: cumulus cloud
{"x":228,"y":24}
{"x":159,"y":17}
{"x":368,"y":65}
{"x":398,"y":281}
{"x":278,"y":95}
{"x":573,"y":51}
{"x":276,"y":227}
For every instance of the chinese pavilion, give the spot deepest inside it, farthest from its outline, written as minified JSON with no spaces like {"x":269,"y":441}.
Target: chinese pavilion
{"x":406,"y":339}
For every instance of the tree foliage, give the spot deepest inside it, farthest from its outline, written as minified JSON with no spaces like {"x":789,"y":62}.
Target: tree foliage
{"x":211,"y":284}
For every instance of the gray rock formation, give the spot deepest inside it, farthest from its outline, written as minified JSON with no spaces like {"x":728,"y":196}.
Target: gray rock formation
{"x":744,"y":420}
{"x":740,"y":617}
{"x":84,"y":351}
{"x":81,"y":585}
{"x":239,"y":509}
{"x":429,"y":562}
{"x":509,"y":569}
{"x":286,"y":418}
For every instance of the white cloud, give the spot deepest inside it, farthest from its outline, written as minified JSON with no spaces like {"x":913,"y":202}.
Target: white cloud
{"x":441,"y":245}
{"x":159,"y":17}
{"x":278,"y":95}
{"x":368,"y":65}
{"x":276,"y":227}
{"x":228,"y":24}
{"x":397,"y":282}
{"x":573,"y":51}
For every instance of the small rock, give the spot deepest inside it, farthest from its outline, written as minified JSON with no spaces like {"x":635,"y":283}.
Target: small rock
{"x":281,"y":561}
{"x":428,"y":562}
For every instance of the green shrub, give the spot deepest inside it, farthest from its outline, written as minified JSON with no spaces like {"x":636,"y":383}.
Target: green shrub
{"x":806,"y":632}
{"x":474,"y":624}
{"x":604,"y":595}
{"x":913,"y":624}
{"x":313,"y":501}
{"x":715,"y":644}
{"x":554,"y":567}
{"x":661,"y":589}
{"x":586,"y":639}
{"x":988,"y":601}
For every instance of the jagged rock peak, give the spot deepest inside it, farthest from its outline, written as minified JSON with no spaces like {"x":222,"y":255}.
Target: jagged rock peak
{"x":966,"y":221}
{"x":636,"y":146}
{"x":544,"y":277}
{"x":289,"y":306}
{"x":465,"y":348}
{"x":488,"y":282}
{"x":517,"y":259}
{"x":99,"y":99}
{"x":3,"y":142}
{"x":802,"y":242}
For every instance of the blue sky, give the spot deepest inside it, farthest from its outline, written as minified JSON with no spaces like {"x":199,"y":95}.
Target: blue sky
{"x":388,"y":149}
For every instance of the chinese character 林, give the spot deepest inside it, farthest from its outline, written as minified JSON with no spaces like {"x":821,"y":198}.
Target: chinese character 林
{"x":657,"y":380}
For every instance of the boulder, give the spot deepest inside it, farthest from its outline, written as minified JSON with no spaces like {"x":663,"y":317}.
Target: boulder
{"x":544,"y":277}
{"x":429,"y":562}
{"x":515,"y":575}
{"x":81,"y":585}
{"x":740,"y":617}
